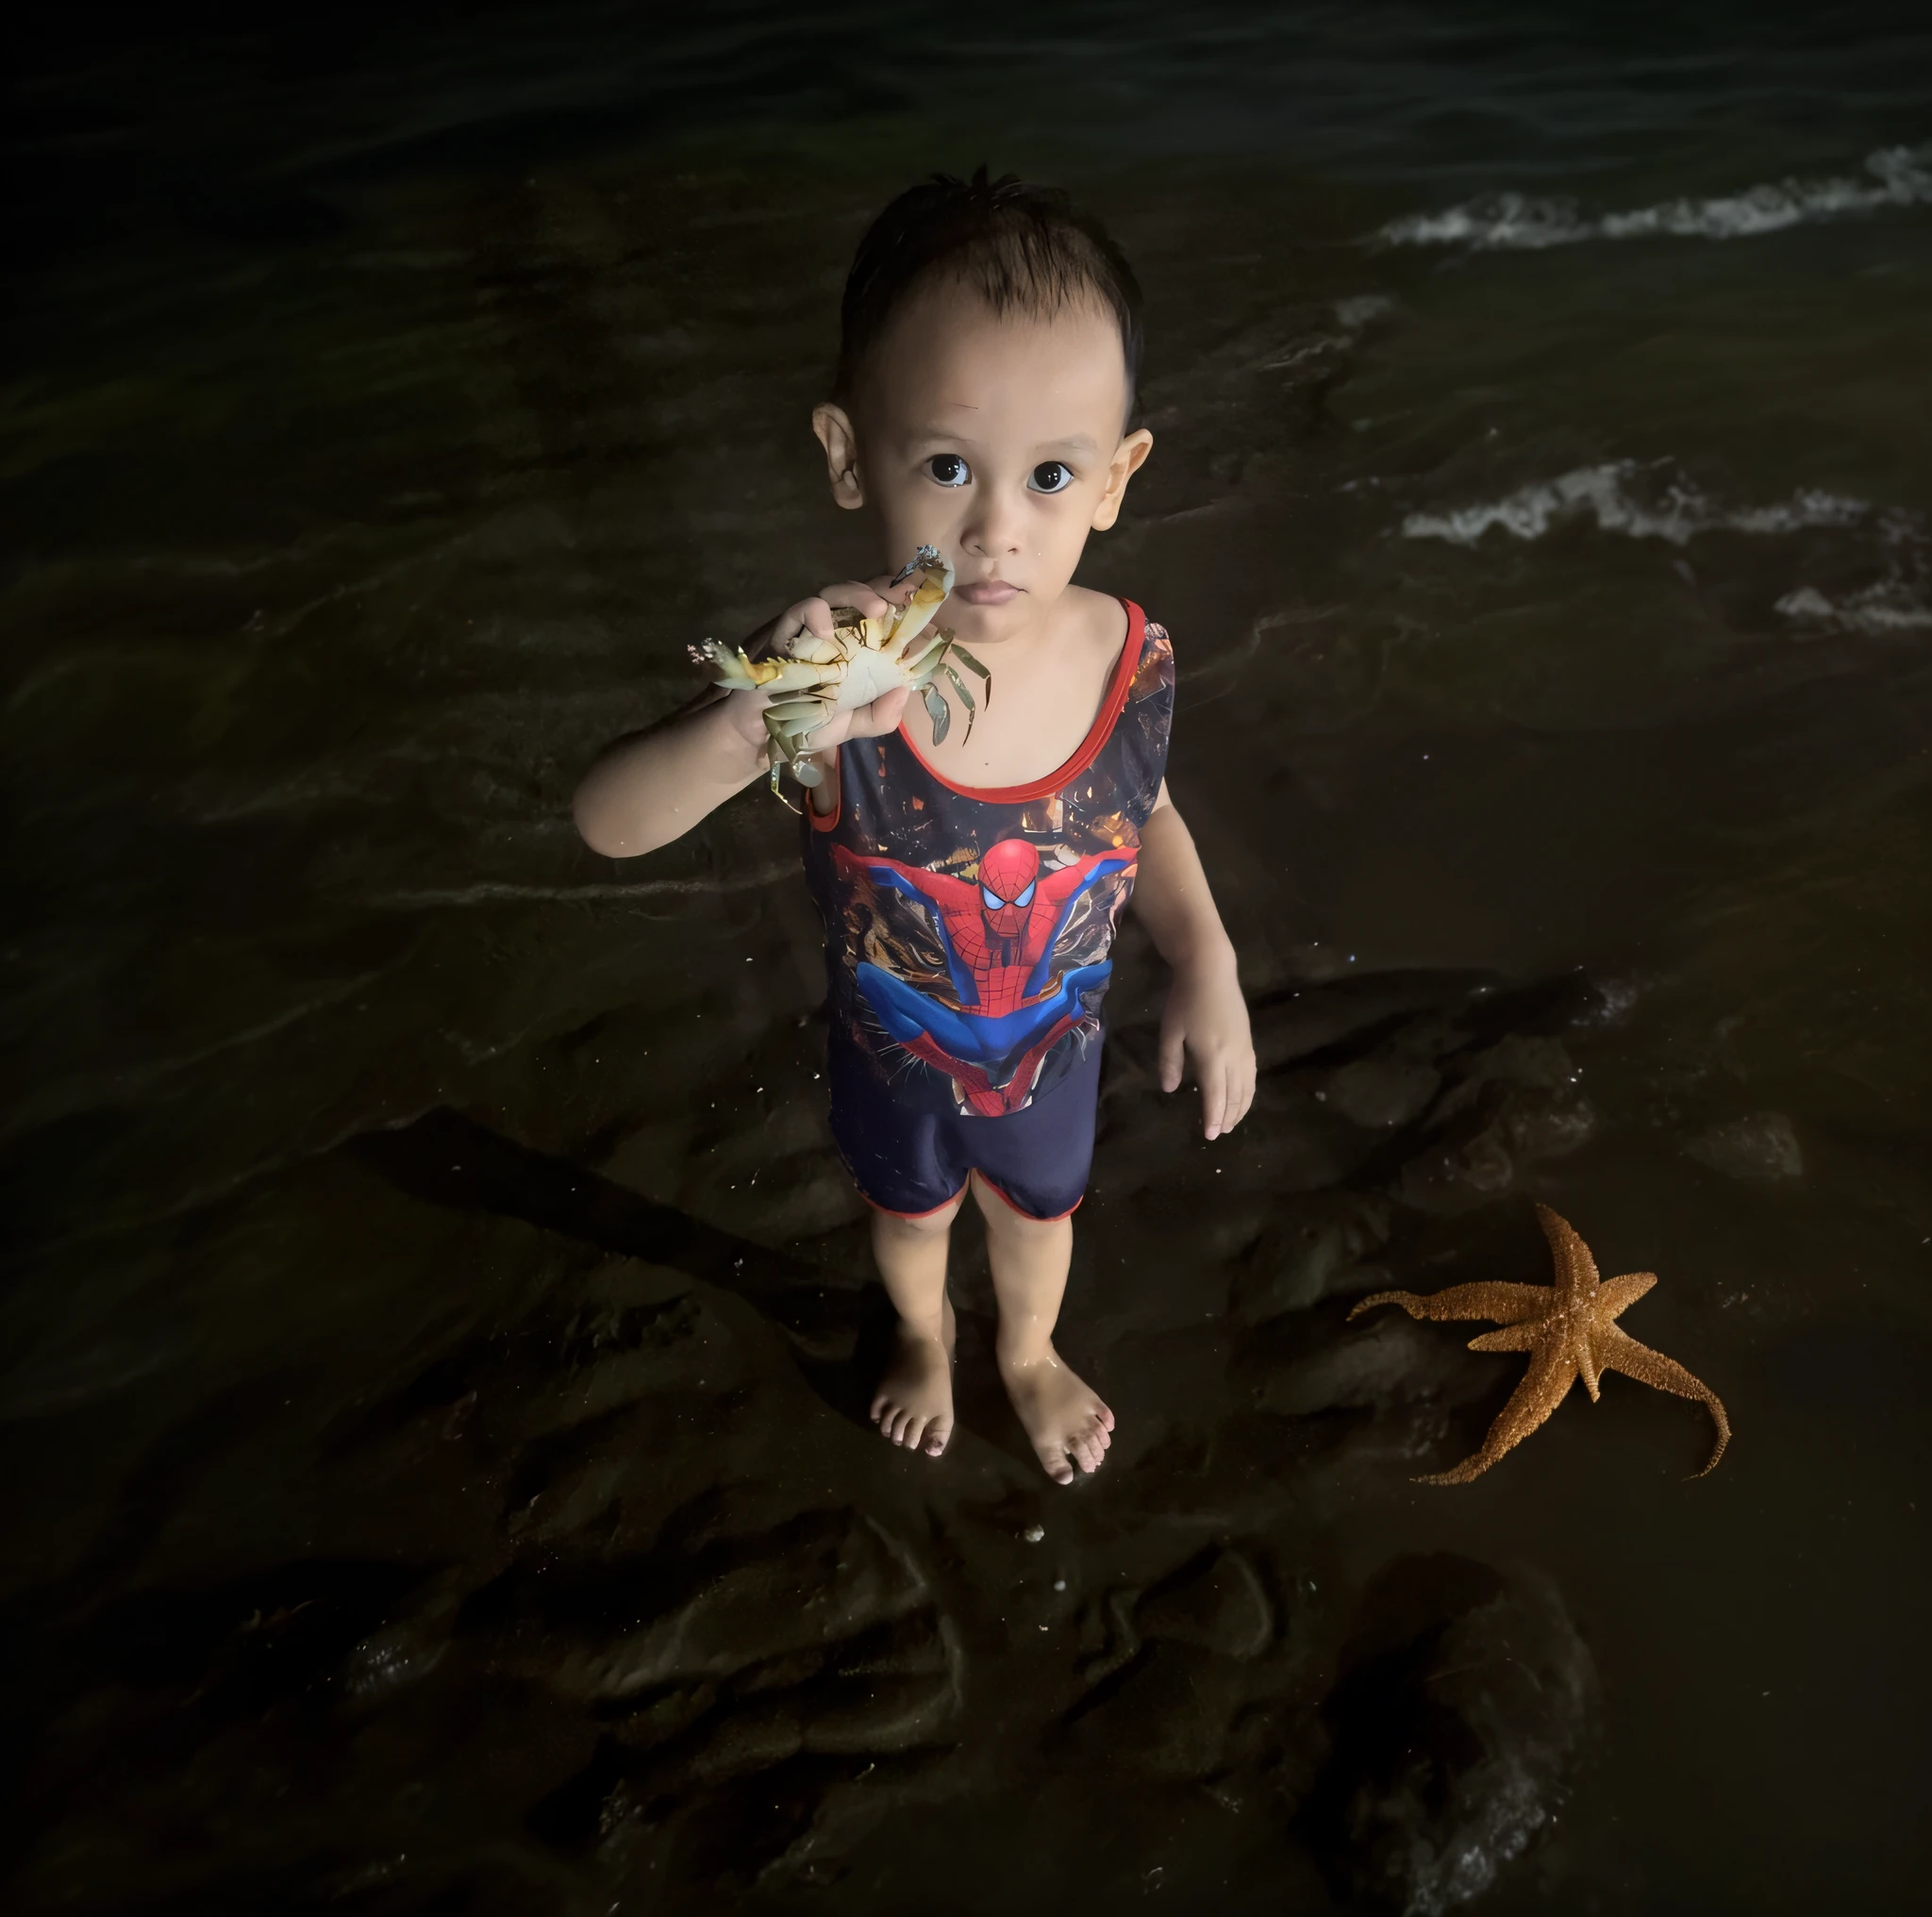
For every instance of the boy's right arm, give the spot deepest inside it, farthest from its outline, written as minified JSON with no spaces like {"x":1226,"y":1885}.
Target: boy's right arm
{"x":652,"y":787}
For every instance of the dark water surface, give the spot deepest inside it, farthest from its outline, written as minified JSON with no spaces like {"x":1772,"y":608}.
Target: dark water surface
{"x":434,"y":1316}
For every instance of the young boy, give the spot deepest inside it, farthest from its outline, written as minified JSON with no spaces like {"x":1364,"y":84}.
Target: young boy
{"x":971,"y":885}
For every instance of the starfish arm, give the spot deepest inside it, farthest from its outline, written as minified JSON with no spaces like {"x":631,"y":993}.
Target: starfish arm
{"x":1511,"y":1338}
{"x":1551,"y":1371}
{"x":1588,"y":1369}
{"x":1505,"y":1304}
{"x":1576,"y":1269}
{"x":1618,"y":1351}
{"x":1619,"y":1294}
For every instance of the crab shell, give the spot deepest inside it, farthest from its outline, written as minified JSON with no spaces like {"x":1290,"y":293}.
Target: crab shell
{"x":862,"y":652}
{"x":865,"y":658}
{"x":813,"y":678}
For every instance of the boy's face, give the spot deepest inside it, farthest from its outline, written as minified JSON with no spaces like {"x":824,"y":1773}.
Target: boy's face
{"x":996,"y":440}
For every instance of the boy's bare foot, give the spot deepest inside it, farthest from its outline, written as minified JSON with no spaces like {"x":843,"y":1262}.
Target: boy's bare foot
{"x":914,"y":1403}
{"x":1063,"y":1416}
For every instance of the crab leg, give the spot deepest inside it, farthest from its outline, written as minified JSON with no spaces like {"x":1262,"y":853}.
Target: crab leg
{"x":790,"y":711}
{"x":939,"y":712}
{"x":958,"y":686}
{"x":793,"y":750}
{"x":744,"y":674}
{"x":783,"y":742}
{"x":926,"y":662}
{"x":791,"y":722}
{"x":966,"y":659}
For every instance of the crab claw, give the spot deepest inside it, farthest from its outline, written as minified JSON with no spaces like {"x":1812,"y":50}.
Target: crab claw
{"x":916,"y":614}
{"x":924,"y":557}
{"x":734,"y":669}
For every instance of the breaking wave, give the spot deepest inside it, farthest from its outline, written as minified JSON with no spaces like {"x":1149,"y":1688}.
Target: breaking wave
{"x":1887,"y":607}
{"x":1616,"y":497}
{"x":1899,"y":177}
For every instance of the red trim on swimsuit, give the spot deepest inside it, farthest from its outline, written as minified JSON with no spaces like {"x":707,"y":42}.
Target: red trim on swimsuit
{"x":1110,"y":708}
{"x":1020,"y":1209}
{"x":932,"y":1210}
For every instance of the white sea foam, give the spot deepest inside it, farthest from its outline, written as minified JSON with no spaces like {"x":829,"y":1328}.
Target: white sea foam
{"x":1898,"y":177}
{"x":1362,"y":309}
{"x":1613,"y":495}
{"x":1887,"y":607}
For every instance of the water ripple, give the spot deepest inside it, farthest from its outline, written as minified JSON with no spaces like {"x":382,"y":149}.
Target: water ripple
{"x":1899,"y":176}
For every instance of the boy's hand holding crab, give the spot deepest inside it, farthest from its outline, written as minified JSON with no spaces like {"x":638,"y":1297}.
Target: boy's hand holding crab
{"x":650,"y":787}
{"x":824,"y":657}
{"x":815,"y":618}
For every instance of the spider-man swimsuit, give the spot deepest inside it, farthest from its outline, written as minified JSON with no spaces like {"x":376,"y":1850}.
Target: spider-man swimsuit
{"x":967,"y":940}
{"x":998,"y":936}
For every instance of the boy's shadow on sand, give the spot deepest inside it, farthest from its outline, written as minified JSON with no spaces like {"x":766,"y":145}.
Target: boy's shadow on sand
{"x":841,"y":1339}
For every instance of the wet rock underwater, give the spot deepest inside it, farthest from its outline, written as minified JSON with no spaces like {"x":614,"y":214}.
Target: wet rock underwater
{"x":620,"y":1568}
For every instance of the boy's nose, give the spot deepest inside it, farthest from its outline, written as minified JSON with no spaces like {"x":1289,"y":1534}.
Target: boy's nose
{"x":996,"y":527}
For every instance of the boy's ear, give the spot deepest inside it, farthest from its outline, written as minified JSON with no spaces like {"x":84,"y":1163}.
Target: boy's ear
{"x":1129,"y":456}
{"x":833,"y":424}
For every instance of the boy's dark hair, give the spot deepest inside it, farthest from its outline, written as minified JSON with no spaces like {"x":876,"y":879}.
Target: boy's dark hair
{"x":1021,"y":248}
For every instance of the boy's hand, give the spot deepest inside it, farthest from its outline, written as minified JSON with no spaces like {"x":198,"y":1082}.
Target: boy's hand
{"x":1207,"y":1022}
{"x":814,"y":615}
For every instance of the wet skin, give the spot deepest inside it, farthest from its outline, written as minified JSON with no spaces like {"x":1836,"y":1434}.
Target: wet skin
{"x":1066,"y":1421}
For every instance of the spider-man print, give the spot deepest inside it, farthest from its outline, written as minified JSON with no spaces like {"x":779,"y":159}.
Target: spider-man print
{"x":968,"y":931}
{"x":998,"y":933}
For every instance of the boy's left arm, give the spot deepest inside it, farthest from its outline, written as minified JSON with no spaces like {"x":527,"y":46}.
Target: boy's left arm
{"x":1207,"y":1018}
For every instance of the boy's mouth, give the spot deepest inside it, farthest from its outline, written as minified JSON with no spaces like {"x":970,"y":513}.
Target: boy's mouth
{"x":987,"y":592}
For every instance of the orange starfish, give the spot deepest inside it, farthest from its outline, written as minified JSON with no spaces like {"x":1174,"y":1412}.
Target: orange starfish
{"x":1567,"y":1329}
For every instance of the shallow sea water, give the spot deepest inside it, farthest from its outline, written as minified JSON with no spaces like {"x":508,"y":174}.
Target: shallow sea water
{"x":436,"y":1330}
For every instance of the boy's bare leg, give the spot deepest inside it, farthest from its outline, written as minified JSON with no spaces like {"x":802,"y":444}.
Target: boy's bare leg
{"x":1063,"y":1416}
{"x":914,"y":1403}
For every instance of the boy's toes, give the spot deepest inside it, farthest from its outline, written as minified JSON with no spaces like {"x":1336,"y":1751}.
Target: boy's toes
{"x":939,"y":1434}
{"x":1054,"y":1462}
{"x":1092,"y":1444}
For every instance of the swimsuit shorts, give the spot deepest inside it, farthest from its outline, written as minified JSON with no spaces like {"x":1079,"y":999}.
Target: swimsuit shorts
{"x":912,"y":1163}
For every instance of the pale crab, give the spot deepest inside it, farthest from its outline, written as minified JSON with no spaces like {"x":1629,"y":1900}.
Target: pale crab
{"x":814,"y":678}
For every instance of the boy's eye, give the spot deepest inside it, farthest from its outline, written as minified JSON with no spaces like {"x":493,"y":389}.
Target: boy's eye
{"x":1050,"y":477}
{"x":949,"y":469}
